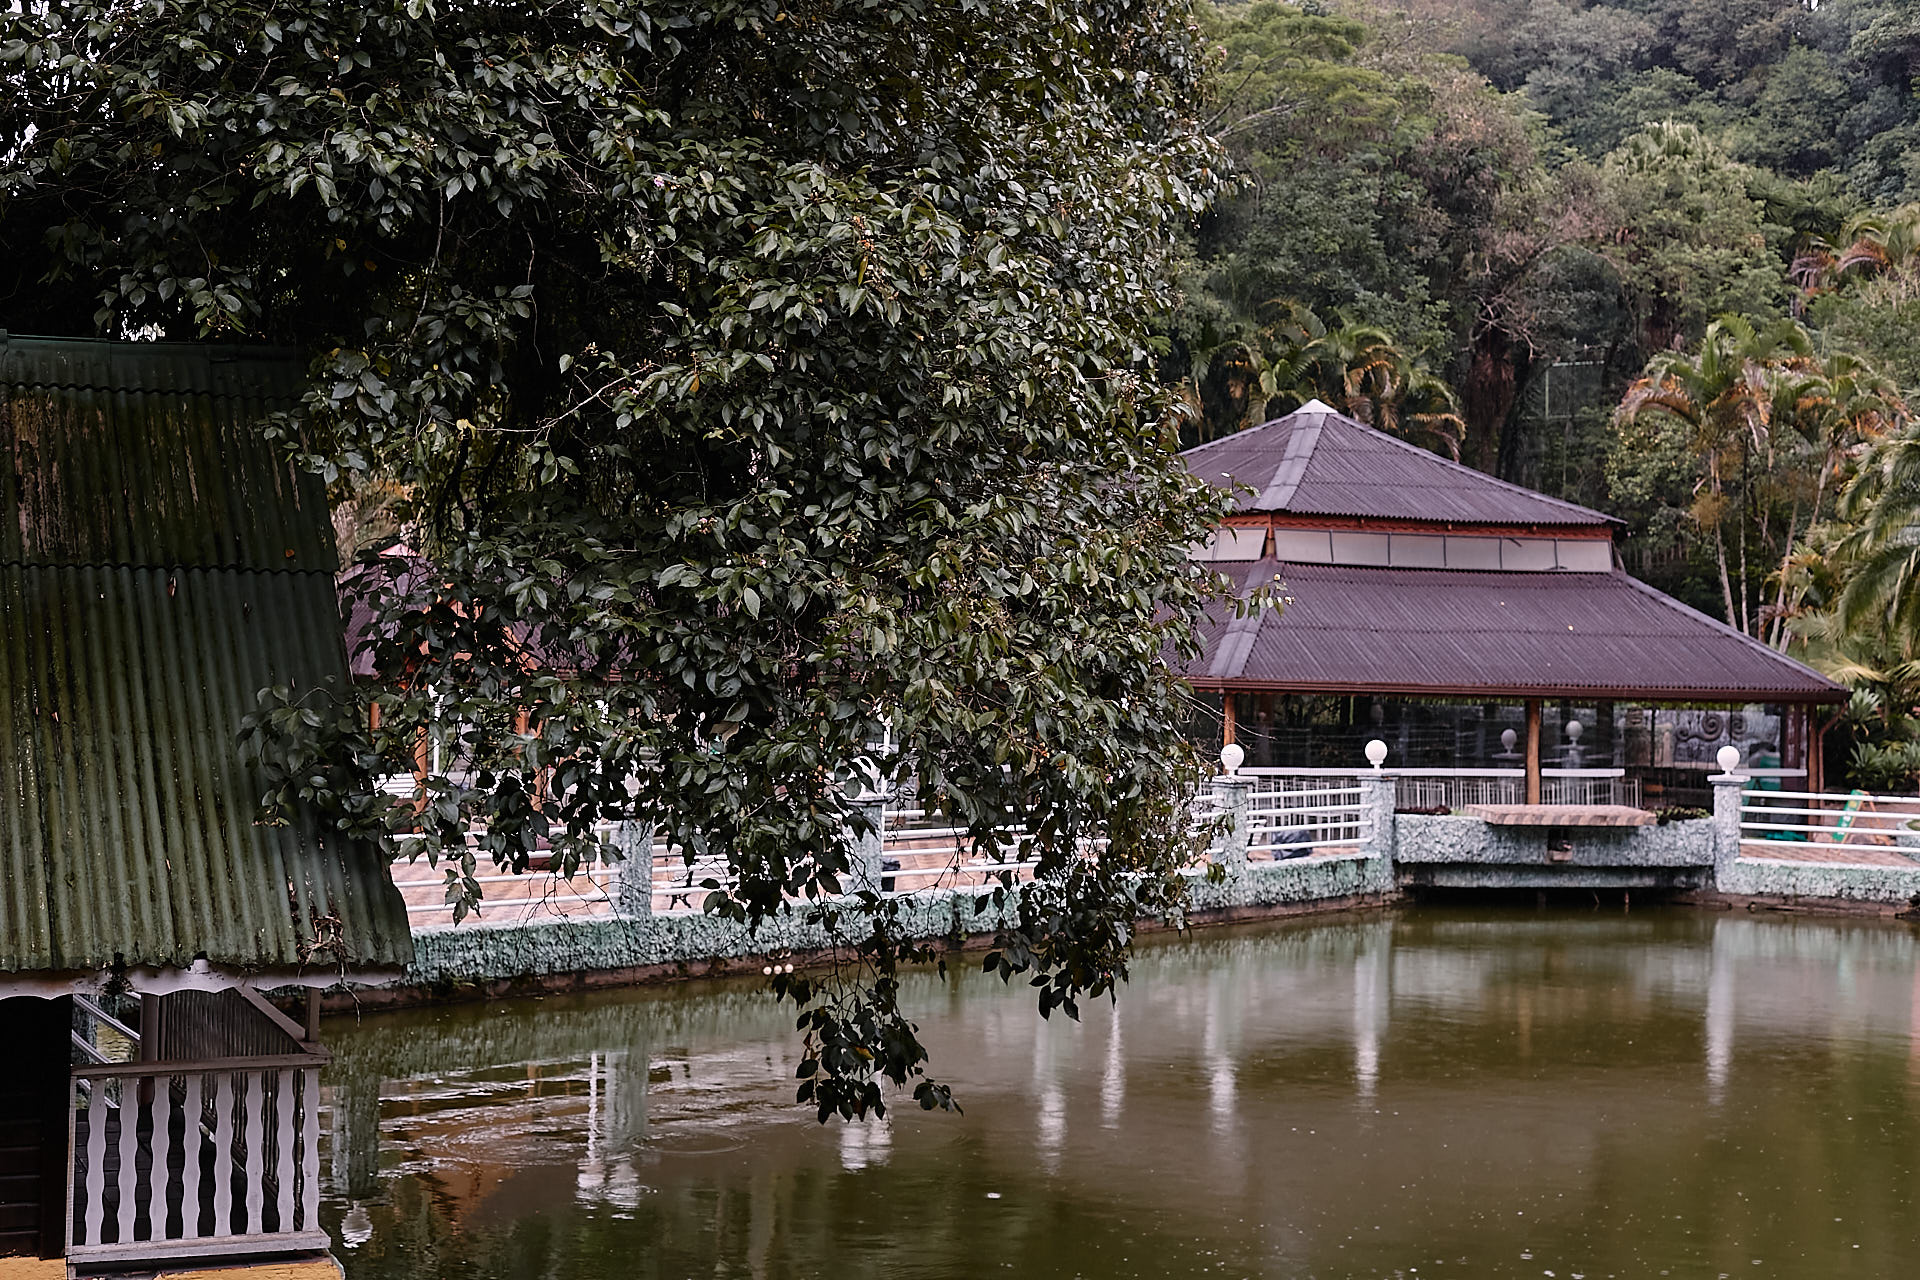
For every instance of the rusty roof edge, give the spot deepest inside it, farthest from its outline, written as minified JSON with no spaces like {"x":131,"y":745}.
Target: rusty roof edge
{"x":290,"y":361}
{"x":23,"y":563}
{"x":212,"y":350}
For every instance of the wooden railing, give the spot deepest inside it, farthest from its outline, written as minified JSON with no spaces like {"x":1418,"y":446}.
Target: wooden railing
{"x":178,"y":1161}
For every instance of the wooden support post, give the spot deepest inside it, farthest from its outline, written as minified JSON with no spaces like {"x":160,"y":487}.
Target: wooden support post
{"x":1817,"y":727}
{"x":150,"y":1028}
{"x":312,"y":1019}
{"x":1226,"y":702}
{"x":1533,"y":751}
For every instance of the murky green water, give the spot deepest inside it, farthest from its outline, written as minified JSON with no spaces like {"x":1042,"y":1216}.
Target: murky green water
{"x":1437,"y":1093}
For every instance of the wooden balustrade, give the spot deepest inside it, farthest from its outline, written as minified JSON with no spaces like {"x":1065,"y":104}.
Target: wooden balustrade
{"x":193,"y":1160}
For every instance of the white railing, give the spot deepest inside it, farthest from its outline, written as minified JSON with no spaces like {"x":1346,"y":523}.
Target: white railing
{"x":919,"y":849}
{"x":172,"y":1161}
{"x":1448,"y":788}
{"x":1288,"y":819}
{"x":1855,"y":821}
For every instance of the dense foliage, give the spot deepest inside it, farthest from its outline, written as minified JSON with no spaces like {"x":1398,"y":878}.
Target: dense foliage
{"x":1654,"y":256}
{"x":763,"y":389}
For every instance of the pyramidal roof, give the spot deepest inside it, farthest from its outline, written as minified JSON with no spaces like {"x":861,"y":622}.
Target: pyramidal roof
{"x":1316,"y":461}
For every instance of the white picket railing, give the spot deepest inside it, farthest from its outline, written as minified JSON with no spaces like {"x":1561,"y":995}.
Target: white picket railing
{"x":1855,"y":821}
{"x":179,"y":1161}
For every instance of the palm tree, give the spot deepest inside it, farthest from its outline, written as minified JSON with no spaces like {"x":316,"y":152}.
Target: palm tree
{"x":1877,"y":243}
{"x":1727,"y":395}
{"x":1881,"y":551}
{"x":1359,"y":370}
{"x":1844,"y":406}
{"x":1289,"y":355}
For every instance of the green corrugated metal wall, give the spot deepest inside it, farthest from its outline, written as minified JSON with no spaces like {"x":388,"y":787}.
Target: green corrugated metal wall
{"x":160,"y":566}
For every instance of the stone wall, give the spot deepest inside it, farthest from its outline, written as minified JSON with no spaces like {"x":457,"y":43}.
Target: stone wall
{"x":1405,"y":850}
{"x":492,"y":955}
{"x":1819,"y":881}
{"x":1451,"y":838}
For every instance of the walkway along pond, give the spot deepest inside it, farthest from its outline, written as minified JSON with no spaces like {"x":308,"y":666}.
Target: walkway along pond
{"x":1408,"y":1093}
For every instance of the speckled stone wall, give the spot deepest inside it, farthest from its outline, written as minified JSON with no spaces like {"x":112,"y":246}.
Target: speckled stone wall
{"x":1453,"y":839}
{"x":1829,"y":881}
{"x":495,"y":953}
{"x":489,"y":953}
{"x":1407,"y":850}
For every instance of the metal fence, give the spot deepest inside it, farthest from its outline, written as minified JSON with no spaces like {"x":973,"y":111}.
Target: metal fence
{"x":1785,"y":822}
{"x":1292,"y":817}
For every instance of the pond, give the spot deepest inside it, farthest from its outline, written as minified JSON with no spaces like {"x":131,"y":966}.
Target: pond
{"x":1472,"y":1092}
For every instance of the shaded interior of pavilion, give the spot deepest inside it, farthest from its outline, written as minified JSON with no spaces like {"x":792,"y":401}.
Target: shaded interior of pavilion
{"x":1514,"y":750}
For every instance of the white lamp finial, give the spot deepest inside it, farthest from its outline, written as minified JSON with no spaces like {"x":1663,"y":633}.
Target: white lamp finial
{"x":1574,"y":730}
{"x":1729,"y":758}
{"x":1231,"y":757}
{"x":1507,"y":738}
{"x":1376,"y":754}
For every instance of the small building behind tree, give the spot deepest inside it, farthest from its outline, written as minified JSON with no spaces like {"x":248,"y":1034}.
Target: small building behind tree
{"x":1486,"y":633}
{"x":161,"y":565}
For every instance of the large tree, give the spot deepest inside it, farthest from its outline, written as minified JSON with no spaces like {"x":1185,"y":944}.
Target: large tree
{"x":761,"y":383}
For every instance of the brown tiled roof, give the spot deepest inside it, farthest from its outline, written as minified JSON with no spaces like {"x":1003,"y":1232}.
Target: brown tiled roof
{"x":1453,"y":632}
{"x":1318,"y":462}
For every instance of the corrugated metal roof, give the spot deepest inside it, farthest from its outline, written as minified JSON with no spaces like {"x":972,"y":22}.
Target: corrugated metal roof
{"x":1318,"y":462}
{"x":147,"y":454}
{"x":146,"y":595}
{"x":1443,"y":631}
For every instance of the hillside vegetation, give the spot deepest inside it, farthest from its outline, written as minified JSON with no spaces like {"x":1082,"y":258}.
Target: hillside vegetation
{"x":1659,"y":257}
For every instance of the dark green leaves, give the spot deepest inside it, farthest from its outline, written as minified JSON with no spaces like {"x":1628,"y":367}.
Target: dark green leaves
{"x":762,"y":390}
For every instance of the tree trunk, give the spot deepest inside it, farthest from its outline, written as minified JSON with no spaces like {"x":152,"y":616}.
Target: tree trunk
{"x":1780,"y":598}
{"x":1726,"y":584}
{"x":1487,"y":394}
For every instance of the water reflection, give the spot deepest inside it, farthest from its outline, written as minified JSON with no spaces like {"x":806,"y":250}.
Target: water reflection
{"x":1432,"y":1093}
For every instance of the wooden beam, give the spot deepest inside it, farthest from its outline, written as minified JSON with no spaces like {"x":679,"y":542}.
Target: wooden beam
{"x":1533,"y":751}
{"x":1226,"y":702}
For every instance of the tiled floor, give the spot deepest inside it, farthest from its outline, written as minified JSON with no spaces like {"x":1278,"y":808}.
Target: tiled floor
{"x":1879,"y":855}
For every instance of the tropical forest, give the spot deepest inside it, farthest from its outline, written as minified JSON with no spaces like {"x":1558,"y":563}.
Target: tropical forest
{"x":1657,"y":257}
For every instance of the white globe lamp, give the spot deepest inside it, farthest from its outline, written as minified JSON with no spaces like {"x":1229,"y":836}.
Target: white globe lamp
{"x":1376,"y":754}
{"x":1729,"y":758}
{"x":1231,"y":758}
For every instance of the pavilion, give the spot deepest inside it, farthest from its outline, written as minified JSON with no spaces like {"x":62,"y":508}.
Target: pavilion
{"x":1488,"y":634}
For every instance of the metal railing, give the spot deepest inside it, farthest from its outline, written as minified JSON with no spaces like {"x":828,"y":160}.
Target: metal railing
{"x":194,"y":1159}
{"x":1855,"y":821}
{"x":1290,"y":820}
{"x":920,"y":849}
{"x":1433,"y":788}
